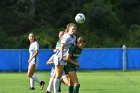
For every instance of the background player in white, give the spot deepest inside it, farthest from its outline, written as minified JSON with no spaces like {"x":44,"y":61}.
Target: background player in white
{"x":64,"y":78}
{"x":33,"y":61}
{"x":67,"y":41}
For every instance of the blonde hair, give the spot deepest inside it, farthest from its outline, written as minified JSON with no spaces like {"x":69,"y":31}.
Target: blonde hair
{"x":68,"y":26}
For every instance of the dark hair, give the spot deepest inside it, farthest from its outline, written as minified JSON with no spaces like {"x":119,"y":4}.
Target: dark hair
{"x":33,"y":35}
{"x":80,"y":39}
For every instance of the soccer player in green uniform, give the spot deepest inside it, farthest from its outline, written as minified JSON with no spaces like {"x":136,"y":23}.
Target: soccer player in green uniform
{"x":72,"y":63}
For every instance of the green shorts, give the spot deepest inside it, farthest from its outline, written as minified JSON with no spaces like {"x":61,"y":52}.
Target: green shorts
{"x":68,"y":69}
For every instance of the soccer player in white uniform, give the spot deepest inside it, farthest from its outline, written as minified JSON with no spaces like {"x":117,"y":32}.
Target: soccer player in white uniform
{"x":33,"y":62}
{"x":64,"y":78}
{"x":67,"y":41}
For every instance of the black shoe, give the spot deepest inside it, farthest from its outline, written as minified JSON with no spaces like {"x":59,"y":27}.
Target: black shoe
{"x":47,"y":91}
{"x":59,"y":90}
{"x":32,"y":88}
{"x":42,"y":83}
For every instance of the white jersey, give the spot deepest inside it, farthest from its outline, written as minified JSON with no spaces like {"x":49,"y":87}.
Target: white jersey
{"x":33,"y":47}
{"x":68,"y":40}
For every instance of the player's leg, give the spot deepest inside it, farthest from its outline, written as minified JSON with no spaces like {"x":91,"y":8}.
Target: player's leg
{"x":30,"y":74}
{"x":58,"y":72}
{"x":31,"y":70}
{"x":32,"y":83}
{"x":70,"y":87}
{"x":65,"y":79}
{"x":73,"y":77}
{"x":50,"y":86}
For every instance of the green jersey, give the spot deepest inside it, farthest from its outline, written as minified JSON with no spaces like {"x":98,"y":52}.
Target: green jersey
{"x":58,"y":44}
{"x":75,"y":52}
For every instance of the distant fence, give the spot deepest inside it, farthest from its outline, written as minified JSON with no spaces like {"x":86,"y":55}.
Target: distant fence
{"x":97,"y":58}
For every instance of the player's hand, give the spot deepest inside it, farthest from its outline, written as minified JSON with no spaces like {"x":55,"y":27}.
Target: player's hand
{"x":77,"y":64}
{"x":29,"y":60}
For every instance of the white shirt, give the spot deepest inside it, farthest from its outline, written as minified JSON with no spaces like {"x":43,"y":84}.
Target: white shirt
{"x":68,"y":40}
{"x":33,"y":47}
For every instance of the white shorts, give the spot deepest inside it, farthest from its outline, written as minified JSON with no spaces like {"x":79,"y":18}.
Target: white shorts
{"x":52,"y":73}
{"x":36,"y":62}
{"x":56,"y":59}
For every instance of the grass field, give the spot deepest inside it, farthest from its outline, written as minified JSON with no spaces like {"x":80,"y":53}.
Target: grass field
{"x":91,"y":82}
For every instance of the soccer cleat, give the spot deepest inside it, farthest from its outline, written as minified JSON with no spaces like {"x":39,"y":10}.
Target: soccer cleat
{"x":32,"y":88}
{"x":42,"y":83}
{"x":47,"y":91}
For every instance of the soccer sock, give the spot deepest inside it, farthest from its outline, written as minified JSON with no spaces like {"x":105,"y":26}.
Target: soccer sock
{"x":56,"y":85}
{"x":59,"y":86}
{"x":76,"y":89}
{"x":70,"y":89}
{"x":34,"y":77}
{"x":50,"y":86}
{"x":31,"y":83}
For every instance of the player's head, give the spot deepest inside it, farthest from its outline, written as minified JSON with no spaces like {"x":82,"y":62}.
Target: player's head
{"x":80,"y":42}
{"x":71,"y":28}
{"x":31,"y":37}
{"x":61,"y":33}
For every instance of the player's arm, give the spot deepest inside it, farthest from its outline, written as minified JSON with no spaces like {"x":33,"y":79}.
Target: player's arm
{"x":49,"y":62}
{"x":61,"y":51}
{"x":34,"y":55}
{"x":55,"y":50}
{"x":68,"y":58}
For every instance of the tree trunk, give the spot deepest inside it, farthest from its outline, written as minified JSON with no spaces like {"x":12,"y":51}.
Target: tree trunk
{"x":32,"y":8}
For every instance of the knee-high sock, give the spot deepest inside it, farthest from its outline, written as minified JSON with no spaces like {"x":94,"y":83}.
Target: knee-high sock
{"x":31,"y":83}
{"x":59,"y":86}
{"x":76,"y":89}
{"x":35,"y":78}
{"x":70,"y":89}
{"x":50,"y":86}
{"x":56,"y":85}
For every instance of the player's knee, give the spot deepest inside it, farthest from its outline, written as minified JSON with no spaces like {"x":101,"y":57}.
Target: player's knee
{"x":58,"y":77}
{"x":29,"y":75}
{"x":76,"y":84}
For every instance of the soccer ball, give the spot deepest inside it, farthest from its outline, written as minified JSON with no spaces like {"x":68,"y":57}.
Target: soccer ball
{"x":80,"y":18}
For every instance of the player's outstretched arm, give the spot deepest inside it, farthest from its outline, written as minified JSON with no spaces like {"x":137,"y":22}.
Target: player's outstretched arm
{"x":49,"y":62}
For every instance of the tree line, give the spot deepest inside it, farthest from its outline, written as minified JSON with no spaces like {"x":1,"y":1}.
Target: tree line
{"x":109,"y":23}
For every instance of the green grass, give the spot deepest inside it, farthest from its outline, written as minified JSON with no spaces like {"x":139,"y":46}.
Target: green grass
{"x":91,"y":82}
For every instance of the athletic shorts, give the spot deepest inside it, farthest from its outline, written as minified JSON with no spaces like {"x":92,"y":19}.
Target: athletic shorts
{"x":57,"y":59}
{"x":68,"y":69}
{"x":36,"y":62}
{"x":52,"y":73}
